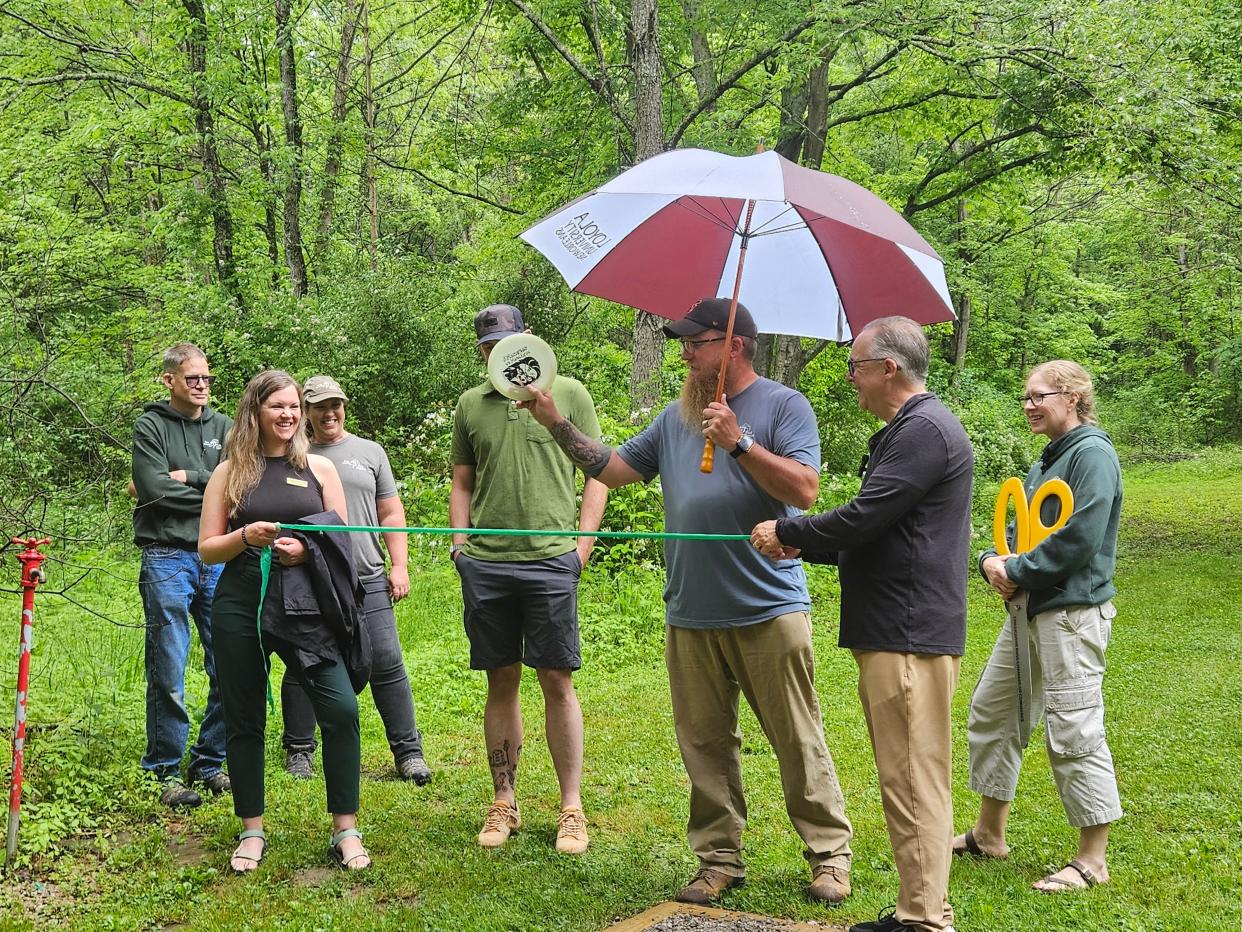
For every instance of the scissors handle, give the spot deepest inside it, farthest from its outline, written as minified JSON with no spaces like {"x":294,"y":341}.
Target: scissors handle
{"x":1011,"y":490}
{"x":1059,"y":489}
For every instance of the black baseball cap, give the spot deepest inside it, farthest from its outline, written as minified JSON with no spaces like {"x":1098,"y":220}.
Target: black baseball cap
{"x":497,"y":321}
{"x":712,"y":314}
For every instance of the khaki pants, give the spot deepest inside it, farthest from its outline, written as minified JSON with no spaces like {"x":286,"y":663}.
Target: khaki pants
{"x":772,"y":664}
{"x":1067,"y":674}
{"x":907,"y":700}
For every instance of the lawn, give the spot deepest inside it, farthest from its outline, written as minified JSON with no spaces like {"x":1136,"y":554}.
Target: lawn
{"x":1174,"y":692}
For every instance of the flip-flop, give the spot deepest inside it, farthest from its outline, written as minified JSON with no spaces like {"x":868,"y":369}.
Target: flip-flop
{"x":972,"y":848}
{"x":238,"y":856}
{"x":339,"y":859}
{"x":1089,"y":879}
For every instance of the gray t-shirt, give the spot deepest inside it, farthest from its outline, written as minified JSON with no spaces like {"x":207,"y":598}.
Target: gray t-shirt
{"x":367,"y":478}
{"x":726,"y":584}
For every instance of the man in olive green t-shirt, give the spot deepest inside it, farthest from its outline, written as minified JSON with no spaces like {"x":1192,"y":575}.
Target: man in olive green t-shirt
{"x":521,"y":593}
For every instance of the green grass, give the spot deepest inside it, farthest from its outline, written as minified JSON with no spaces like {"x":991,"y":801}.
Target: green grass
{"x":1174,"y":693}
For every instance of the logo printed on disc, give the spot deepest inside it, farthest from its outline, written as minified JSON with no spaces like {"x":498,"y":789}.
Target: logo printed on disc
{"x":519,"y":363}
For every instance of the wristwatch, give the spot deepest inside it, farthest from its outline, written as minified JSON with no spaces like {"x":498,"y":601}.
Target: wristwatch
{"x":455,"y":549}
{"x":743,"y":446}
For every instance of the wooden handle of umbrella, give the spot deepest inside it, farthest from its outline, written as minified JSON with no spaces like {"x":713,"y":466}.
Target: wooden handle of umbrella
{"x":709,"y":456}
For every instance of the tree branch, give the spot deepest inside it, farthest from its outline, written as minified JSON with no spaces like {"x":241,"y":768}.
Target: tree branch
{"x":597,"y":84}
{"x":108,"y":77}
{"x":758,"y":59}
{"x":442,"y":186}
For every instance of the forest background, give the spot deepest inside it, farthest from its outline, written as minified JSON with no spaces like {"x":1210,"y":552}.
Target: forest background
{"x":337,"y":187}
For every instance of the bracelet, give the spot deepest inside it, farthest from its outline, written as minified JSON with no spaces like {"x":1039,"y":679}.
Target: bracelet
{"x":456,"y":549}
{"x":245,"y":543}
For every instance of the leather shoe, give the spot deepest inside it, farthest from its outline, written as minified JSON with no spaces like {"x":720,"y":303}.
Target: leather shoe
{"x":829,"y":884}
{"x":707,"y":886}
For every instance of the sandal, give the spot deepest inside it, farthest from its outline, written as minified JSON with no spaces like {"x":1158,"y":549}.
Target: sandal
{"x":972,"y":848}
{"x":1089,"y":879}
{"x":238,"y":856}
{"x":339,"y":859}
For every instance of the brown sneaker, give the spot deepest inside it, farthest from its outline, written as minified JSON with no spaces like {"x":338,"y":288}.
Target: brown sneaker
{"x":502,"y":821}
{"x":706,"y":886}
{"x":829,"y":884}
{"x":571,"y":833}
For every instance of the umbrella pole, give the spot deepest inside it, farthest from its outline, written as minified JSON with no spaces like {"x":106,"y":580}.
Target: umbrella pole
{"x":709,"y":448}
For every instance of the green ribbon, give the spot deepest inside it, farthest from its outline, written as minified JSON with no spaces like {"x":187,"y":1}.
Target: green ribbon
{"x":514,"y":532}
{"x":265,"y":558}
{"x":265,"y":571}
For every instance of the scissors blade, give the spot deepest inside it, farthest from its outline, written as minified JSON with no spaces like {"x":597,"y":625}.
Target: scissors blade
{"x":1022,"y":662}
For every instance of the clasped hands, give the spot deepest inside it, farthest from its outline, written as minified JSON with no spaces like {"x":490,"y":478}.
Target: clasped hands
{"x":763,"y":538}
{"x":289,"y":551}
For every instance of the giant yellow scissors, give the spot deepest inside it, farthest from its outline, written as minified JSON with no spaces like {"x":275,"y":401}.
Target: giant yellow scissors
{"x":1029,"y":527}
{"x":1029,"y":532}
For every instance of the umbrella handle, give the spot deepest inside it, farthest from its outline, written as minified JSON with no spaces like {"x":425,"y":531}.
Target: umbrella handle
{"x":709,"y":456}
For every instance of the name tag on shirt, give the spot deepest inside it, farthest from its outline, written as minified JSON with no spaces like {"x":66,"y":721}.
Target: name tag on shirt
{"x":300,"y":483}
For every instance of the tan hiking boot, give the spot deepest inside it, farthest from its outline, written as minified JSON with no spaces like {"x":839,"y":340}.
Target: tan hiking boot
{"x":706,"y":886}
{"x":571,"y":833}
{"x":502,"y":821}
{"x":829,"y":884}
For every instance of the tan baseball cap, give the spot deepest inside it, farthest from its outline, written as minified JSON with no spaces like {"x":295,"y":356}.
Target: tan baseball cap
{"x":321,"y":388}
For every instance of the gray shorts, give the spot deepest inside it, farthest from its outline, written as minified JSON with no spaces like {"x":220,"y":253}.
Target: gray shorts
{"x":522,"y":611}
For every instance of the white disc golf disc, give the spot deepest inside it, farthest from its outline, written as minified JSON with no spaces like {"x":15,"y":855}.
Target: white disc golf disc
{"x":520,"y":362}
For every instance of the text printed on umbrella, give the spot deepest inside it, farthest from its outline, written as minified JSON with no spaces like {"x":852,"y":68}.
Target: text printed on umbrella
{"x":581,"y":236}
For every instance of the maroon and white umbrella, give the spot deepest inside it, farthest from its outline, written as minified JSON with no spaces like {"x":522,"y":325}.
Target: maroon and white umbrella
{"x":823,"y":257}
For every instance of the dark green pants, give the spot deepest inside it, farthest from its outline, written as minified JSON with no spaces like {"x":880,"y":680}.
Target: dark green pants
{"x":240,"y":663}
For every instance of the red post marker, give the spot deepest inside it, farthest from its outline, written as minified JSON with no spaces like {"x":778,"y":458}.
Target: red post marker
{"x":30,"y":559}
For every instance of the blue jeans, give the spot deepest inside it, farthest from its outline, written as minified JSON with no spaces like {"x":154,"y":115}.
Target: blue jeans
{"x":177,"y":585}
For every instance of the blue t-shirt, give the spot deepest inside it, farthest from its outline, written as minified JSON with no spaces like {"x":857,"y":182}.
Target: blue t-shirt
{"x":726,"y":584}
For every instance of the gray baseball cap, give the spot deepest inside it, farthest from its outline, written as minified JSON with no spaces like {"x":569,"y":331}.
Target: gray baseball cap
{"x":497,"y":321}
{"x":320,"y":388}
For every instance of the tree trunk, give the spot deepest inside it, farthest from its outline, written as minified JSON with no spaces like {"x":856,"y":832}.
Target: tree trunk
{"x":702,"y":70}
{"x":817,"y":112}
{"x":336,"y":135}
{"x":961,"y":326}
{"x":369,"y":190}
{"x":267,"y":171}
{"x":644,"y":47}
{"x":209,"y":154}
{"x":294,"y":258}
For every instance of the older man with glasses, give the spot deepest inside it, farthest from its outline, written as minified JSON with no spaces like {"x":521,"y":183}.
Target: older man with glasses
{"x":177,"y":444}
{"x":737,"y":624}
{"x":902,"y":548}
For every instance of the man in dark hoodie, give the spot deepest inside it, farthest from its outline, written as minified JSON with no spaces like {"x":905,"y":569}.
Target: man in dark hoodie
{"x":902,"y":548}
{"x":177,"y":444}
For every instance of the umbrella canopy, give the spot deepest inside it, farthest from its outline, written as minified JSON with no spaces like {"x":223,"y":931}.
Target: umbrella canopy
{"x":825,"y":256}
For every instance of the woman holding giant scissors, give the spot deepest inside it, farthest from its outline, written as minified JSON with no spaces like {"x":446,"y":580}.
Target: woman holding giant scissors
{"x":1059,"y":594}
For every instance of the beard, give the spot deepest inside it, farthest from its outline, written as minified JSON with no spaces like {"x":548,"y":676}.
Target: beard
{"x":697,"y":392}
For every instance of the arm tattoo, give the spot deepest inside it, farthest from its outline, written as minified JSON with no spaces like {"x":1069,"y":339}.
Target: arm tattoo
{"x":589,"y":455}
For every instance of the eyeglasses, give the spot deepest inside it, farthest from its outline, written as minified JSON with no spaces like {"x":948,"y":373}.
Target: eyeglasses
{"x":1036,"y":399}
{"x":851,"y":365}
{"x":689,"y":346}
{"x":199,"y":380}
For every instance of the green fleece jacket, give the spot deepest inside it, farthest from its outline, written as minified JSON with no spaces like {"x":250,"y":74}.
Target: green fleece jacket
{"x":166,"y":440}
{"x":1073,"y":566}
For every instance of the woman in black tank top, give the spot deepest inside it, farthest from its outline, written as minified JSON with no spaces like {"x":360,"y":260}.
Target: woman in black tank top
{"x":269,"y":476}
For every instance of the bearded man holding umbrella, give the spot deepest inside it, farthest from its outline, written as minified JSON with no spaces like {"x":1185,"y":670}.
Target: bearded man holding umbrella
{"x":737,"y":623}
